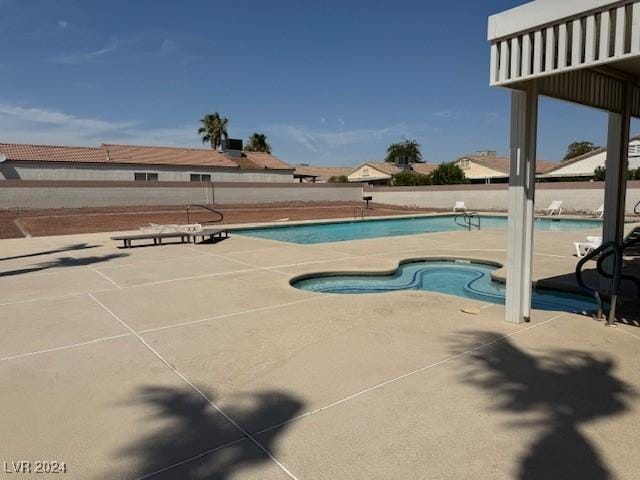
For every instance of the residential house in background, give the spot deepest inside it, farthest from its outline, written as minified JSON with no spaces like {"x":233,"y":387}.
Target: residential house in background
{"x":306,"y":173}
{"x":380,"y":173}
{"x":583,"y":167}
{"x":486,"y":166}
{"x":140,"y":163}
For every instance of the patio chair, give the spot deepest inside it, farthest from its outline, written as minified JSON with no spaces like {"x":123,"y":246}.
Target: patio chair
{"x":554,"y":208}
{"x":597,"y":213}
{"x":584,"y":248}
{"x":459,"y":207}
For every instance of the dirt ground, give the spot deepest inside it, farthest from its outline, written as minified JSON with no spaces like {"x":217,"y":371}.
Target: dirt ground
{"x":19,"y":223}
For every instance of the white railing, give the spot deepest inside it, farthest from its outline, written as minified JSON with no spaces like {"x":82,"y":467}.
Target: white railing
{"x":595,"y":38}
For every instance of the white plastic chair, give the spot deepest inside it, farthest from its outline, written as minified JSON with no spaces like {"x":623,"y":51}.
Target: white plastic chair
{"x":583,"y":248}
{"x":459,"y":207}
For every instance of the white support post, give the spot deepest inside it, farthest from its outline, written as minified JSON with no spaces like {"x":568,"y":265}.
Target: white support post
{"x":522,"y":181}
{"x":616,"y":166}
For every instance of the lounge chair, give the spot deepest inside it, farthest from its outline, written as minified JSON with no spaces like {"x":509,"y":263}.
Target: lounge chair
{"x":554,"y":208}
{"x":583,"y":248}
{"x":597,"y":213}
{"x":459,"y":207}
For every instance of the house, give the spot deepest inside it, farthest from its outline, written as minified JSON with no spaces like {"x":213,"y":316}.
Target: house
{"x":381,"y":172}
{"x":582,"y":167}
{"x":306,"y":173}
{"x":487,"y":167}
{"x":110,"y":162}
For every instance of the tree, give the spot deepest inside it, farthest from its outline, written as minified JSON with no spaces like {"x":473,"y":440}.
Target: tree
{"x":258,"y":143}
{"x":409,"y":179}
{"x":448,"y":174}
{"x":600,"y":174}
{"x":579,"y":148}
{"x":339,"y":179}
{"x":213,"y":129}
{"x":410,"y":149}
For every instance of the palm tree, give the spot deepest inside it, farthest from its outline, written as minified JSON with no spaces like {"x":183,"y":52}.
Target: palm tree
{"x":258,"y":143}
{"x":213,"y":129}
{"x":409,"y":149}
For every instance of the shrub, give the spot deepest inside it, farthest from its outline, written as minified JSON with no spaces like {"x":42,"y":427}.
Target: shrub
{"x":448,"y":174}
{"x":339,"y":179}
{"x":409,"y":179}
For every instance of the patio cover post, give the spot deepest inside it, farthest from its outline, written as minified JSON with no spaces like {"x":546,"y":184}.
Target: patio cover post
{"x":615,"y":188}
{"x":522,"y":183}
{"x":616,"y":167}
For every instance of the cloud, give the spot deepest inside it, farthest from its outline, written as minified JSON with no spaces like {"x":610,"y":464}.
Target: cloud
{"x":448,"y":114}
{"x":84,"y":57}
{"x":63,"y":24}
{"x":323,"y":120}
{"x":318,"y":141}
{"x":38,"y":125}
{"x":168,"y":46}
{"x":341,"y":122}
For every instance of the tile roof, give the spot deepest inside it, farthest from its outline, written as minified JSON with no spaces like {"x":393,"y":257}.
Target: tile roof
{"x":50,"y":153}
{"x":167,"y":156}
{"x":501,"y":164}
{"x":320,"y":172}
{"x":141,"y":155}
{"x":267,"y":161}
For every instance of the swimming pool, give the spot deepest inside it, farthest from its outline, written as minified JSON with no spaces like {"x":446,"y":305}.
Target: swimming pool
{"x":356,"y":230}
{"x":464,"y":279}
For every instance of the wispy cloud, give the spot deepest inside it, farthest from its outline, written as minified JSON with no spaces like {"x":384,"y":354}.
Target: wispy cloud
{"x":84,"y":57}
{"x":168,"y":46}
{"x":320,"y":140}
{"x":38,"y":125}
{"x":63,"y":24}
{"x":448,"y":114}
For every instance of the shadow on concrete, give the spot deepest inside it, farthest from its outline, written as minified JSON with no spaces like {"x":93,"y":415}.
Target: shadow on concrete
{"x":63,"y":262}
{"x":565,"y":390}
{"x":628,"y":311}
{"x":69,"y":248}
{"x":195,"y":442}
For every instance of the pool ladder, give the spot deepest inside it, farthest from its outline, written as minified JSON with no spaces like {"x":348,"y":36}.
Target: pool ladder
{"x":470,"y":220}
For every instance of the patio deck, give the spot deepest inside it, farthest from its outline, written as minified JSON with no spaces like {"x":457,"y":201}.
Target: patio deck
{"x":199,"y":362}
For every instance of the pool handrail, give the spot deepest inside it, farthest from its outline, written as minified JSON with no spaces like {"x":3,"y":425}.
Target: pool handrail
{"x":601,"y":253}
{"x":204,"y":207}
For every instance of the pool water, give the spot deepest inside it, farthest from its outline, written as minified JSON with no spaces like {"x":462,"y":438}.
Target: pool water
{"x":459,"y":278}
{"x":355,"y":230}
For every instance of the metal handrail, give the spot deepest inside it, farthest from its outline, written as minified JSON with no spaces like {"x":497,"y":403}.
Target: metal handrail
{"x":636,"y":209}
{"x":611,"y":248}
{"x":204,"y":207}
{"x":468,"y":220}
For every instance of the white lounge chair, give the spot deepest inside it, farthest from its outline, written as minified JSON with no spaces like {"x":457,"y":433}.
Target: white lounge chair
{"x":597,"y":213}
{"x":554,"y":208}
{"x":583,"y":248}
{"x":459,"y":207}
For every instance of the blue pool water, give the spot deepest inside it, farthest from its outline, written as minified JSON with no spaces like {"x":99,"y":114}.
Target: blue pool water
{"x":462,"y":279}
{"x":355,"y":230}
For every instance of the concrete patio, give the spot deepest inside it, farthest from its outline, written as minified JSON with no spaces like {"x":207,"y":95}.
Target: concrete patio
{"x":201,"y":361}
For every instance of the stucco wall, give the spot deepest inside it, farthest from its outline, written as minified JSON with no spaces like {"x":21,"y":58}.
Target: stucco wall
{"x":74,"y":194}
{"x":125,"y":173}
{"x":575,"y":196}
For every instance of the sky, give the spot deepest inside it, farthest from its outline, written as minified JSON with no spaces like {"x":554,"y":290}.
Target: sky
{"x":329,"y":82}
